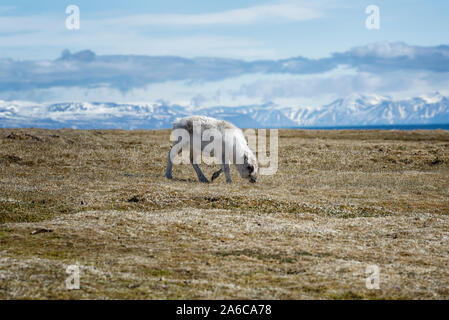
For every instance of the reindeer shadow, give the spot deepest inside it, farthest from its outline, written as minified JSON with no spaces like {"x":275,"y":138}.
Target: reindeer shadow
{"x":184,"y":180}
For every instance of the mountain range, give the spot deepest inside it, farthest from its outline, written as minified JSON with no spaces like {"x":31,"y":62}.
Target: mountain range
{"x":355,"y":110}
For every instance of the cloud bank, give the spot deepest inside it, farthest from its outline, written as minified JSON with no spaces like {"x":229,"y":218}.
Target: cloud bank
{"x":86,"y":69}
{"x":374,"y":68}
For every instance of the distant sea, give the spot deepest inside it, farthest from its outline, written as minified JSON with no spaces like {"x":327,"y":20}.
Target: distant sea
{"x":384,"y":127}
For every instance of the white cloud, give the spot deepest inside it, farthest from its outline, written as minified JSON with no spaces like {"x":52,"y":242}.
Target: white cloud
{"x":283,"y":12}
{"x":385,"y":50}
{"x":282,"y":89}
{"x":15,"y":24}
{"x":137,"y":44}
{"x":26,"y":37}
{"x":318,"y":89}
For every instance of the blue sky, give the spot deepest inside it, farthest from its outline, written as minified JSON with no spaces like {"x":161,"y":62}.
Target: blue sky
{"x":332,"y":51}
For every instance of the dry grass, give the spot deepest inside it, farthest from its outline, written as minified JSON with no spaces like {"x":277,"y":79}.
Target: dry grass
{"x":340,"y":201}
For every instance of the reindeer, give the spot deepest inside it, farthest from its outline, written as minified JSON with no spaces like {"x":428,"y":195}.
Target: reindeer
{"x":232,"y":138}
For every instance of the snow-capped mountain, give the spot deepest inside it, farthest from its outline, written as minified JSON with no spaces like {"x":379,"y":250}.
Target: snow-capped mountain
{"x":354,"y":110}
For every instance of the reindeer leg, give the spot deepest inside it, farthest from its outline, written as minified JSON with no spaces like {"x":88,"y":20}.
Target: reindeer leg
{"x":199,"y":173}
{"x":168,"y":174}
{"x":225,"y":168}
{"x":216,"y":174}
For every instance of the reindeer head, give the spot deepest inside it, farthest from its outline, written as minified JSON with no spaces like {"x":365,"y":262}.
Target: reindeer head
{"x":249,"y":168}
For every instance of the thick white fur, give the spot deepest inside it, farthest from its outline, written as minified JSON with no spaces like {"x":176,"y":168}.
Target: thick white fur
{"x":232,"y":138}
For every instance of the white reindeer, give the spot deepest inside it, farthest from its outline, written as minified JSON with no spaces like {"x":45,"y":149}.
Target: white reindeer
{"x":232,"y":138}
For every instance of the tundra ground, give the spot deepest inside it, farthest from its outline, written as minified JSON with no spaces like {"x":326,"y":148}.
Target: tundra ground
{"x":340,"y":201}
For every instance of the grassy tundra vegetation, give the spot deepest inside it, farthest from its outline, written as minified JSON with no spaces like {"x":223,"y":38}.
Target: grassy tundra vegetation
{"x":341,"y":200}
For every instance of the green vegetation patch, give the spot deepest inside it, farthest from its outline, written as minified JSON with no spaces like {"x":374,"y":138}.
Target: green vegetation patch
{"x":17,"y":211}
